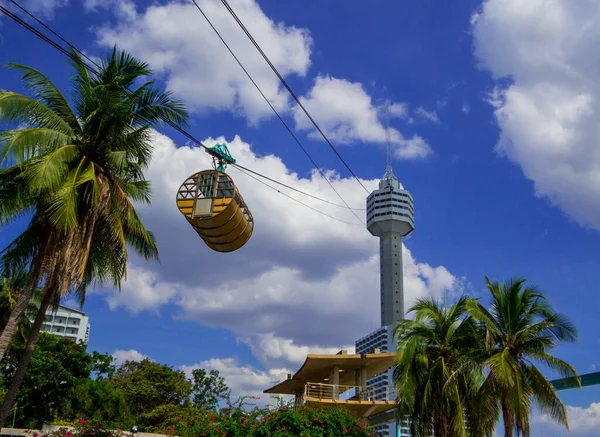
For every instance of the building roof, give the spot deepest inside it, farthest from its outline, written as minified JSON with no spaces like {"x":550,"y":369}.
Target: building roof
{"x":317,"y":367}
{"x":70,"y":310}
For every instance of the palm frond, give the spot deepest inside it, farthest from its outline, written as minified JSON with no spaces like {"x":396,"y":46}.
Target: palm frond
{"x":480,"y":313}
{"x":154,"y":105}
{"x":22,"y":249}
{"x":23,"y":144}
{"x":139,"y":237}
{"x":16,"y":108}
{"x":46,"y":92}
{"x":545,"y":395}
{"x":559,"y":366}
{"x":48,"y":172}
{"x":15,"y":198}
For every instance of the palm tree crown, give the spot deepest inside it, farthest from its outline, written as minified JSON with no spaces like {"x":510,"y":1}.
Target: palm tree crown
{"x":434,"y":375}
{"x":79,"y":173}
{"x":521,"y":331}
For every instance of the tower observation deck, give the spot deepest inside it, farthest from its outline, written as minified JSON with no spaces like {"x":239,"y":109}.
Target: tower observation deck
{"x":390,"y":216}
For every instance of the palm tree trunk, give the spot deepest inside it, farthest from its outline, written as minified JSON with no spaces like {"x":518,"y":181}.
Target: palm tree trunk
{"x":15,"y":317}
{"x":34,"y":273}
{"x":15,"y":384}
{"x":507,"y":417}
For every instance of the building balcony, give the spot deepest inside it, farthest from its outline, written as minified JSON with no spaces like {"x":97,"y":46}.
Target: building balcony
{"x":344,"y":393}
{"x":362,"y":401}
{"x":341,"y":380}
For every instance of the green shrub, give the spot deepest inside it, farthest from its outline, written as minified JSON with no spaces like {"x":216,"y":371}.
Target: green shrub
{"x":235,"y":421}
{"x":284,"y":422}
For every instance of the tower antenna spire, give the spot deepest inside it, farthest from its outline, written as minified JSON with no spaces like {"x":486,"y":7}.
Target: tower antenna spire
{"x":389,"y":173}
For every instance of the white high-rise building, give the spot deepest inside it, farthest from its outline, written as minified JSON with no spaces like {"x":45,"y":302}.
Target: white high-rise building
{"x":390,"y":216}
{"x":67,"y":322}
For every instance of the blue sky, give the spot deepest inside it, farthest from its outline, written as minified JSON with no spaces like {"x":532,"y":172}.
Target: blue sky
{"x":494,"y":131}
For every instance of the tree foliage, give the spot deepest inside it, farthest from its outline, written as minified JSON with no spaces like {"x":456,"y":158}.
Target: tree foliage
{"x":64,"y":383}
{"x":521,"y":330}
{"x":460,"y":369}
{"x":13,"y":281}
{"x":282,"y":422}
{"x":435,"y":375}
{"x":103,"y":365}
{"x":148,"y":385}
{"x":98,"y":400}
{"x":208,"y":388}
{"x":57,"y":367}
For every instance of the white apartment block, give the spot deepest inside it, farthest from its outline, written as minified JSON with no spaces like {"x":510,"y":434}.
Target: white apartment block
{"x":67,"y":322}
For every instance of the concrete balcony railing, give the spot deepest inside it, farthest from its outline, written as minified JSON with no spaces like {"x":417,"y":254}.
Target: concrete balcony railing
{"x":327,"y":392}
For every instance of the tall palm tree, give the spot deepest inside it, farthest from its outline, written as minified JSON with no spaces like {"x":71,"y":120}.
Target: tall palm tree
{"x":12,"y":283}
{"x":436,"y":373}
{"x":521,"y":331}
{"x":77,"y":171}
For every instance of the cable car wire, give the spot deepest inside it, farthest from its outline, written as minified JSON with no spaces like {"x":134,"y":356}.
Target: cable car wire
{"x":273,"y":108}
{"x":70,"y":55}
{"x":285,"y":84}
{"x":296,"y":200}
{"x":240,"y":167}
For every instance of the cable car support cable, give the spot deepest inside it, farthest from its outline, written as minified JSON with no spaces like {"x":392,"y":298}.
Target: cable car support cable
{"x":285,"y":84}
{"x":274,"y":110}
{"x":296,"y":200}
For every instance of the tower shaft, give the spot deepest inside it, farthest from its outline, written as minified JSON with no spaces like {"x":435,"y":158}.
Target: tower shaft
{"x":391,"y":280}
{"x":390,"y":216}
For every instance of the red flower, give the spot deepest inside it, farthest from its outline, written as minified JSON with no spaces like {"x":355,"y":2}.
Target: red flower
{"x":82,"y":421}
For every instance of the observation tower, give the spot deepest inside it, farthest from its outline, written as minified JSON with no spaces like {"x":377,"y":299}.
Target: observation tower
{"x":390,"y":216}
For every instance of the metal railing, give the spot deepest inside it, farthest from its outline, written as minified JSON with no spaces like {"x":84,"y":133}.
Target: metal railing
{"x":345,"y":392}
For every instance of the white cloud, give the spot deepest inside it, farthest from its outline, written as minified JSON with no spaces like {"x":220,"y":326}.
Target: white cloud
{"x":583,"y":422}
{"x":121,"y":356}
{"x":273,"y":350}
{"x":123,"y":8}
{"x":43,"y":9}
{"x":141,"y":292}
{"x":242,"y":380}
{"x":546,"y":104}
{"x":70,"y":302}
{"x":299,"y":278}
{"x":399,"y":110}
{"x":179,"y":44}
{"x":466,"y":108}
{"x":346,"y":113}
{"x":427,"y":115}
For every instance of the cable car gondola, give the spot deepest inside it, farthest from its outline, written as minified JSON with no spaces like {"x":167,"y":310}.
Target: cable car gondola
{"x":212,"y":204}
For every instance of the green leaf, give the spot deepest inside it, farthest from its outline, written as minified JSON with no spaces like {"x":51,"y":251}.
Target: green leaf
{"x":49,"y":171}
{"x":24,"y":144}
{"x":48,"y":94}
